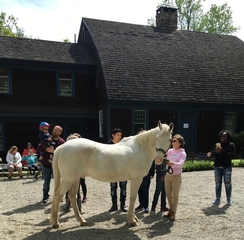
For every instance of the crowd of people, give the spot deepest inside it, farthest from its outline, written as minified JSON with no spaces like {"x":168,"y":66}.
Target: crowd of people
{"x":40,"y":159}
{"x":167,"y":185}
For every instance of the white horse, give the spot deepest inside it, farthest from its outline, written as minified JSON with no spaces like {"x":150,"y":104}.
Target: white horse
{"x":130,"y":159}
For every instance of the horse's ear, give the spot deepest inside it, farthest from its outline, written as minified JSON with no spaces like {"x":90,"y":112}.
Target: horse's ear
{"x":171,"y":126}
{"x":159,"y":125}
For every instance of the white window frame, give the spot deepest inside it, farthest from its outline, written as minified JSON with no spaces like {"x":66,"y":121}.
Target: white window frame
{"x":65,"y":90}
{"x":100,"y":123}
{"x":4,"y":84}
{"x":140,"y":118}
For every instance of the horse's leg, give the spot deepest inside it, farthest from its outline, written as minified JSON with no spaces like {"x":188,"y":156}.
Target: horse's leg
{"x":135,"y":184}
{"x":57,"y":197}
{"x":72,"y":197}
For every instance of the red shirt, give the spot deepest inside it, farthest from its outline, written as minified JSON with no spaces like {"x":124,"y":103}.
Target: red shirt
{"x":25,"y":151}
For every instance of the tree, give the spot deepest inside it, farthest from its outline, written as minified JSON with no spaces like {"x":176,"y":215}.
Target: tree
{"x":66,"y":40}
{"x":192,"y":18}
{"x":218,"y":20}
{"x":9,"y":27}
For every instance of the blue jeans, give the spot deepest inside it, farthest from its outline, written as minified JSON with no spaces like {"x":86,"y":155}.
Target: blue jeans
{"x":159,"y":189}
{"x":113,"y":188}
{"x":219,"y":174}
{"x":143,"y":192}
{"x":47,"y":175}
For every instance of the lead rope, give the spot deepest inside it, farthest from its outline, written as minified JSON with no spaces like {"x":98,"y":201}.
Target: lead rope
{"x":164,"y":168}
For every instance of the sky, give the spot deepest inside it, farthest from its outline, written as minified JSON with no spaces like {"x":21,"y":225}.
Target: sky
{"x":57,"y":20}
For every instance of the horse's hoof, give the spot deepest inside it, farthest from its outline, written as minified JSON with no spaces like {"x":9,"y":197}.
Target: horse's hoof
{"x":55,"y":226}
{"x":136,"y":218}
{"x":83,"y":223}
{"x":134,"y":224}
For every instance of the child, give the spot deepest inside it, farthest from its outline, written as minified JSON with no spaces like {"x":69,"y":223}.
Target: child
{"x":143,"y":194}
{"x":160,"y":189}
{"x":31,"y":160}
{"x":45,"y":137}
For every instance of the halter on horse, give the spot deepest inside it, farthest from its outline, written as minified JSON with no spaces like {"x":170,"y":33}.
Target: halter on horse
{"x":164,"y":163}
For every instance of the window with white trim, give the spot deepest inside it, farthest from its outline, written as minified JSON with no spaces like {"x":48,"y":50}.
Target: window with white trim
{"x":100,"y":123}
{"x":140,"y":120}
{"x":65,"y":84}
{"x":4,"y":81}
{"x":230,"y":121}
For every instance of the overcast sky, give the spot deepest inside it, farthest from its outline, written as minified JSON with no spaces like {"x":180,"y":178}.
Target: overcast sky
{"x":57,"y":20}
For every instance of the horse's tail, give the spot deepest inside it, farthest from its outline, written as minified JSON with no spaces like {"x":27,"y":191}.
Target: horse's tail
{"x":56,"y":181}
{"x":56,"y":172}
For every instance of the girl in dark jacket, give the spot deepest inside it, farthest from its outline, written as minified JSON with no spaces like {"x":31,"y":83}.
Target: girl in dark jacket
{"x":223,"y":152}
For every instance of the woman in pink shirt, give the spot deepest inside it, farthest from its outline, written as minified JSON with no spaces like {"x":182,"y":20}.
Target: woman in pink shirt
{"x":176,"y":157}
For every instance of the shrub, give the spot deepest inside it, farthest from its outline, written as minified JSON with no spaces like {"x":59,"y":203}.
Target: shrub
{"x":238,"y":140}
{"x":195,"y":165}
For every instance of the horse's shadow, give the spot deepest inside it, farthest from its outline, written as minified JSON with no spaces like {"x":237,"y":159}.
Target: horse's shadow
{"x":29,"y":208}
{"x":84,"y":233}
{"x":215,"y":209}
{"x":161,"y":224}
{"x":117,"y":217}
{"x":155,"y":224}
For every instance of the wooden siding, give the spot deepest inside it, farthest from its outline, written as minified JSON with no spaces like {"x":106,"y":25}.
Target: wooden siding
{"x":84,"y":90}
{"x":121,"y":118}
{"x":38,"y":89}
{"x":100,"y":96}
{"x":240,"y":122}
{"x":209,"y":124}
{"x":101,"y":91}
{"x":20,"y":133}
{"x":165,"y":116}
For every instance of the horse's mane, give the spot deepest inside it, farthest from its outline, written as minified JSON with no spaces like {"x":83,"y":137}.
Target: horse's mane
{"x":127,"y":138}
{"x":142,"y":136}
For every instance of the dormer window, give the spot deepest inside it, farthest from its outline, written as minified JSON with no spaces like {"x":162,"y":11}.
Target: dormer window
{"x":4,"y":81}
{"x":65,"y":83}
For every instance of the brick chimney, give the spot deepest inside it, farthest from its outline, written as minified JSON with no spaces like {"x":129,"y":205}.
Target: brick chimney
{"x":166,"y":17}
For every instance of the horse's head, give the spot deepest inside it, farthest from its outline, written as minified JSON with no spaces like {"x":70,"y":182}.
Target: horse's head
{"x":163,"y":141}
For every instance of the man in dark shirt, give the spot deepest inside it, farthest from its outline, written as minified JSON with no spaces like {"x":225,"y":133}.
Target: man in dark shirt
{"x":47,"y":170}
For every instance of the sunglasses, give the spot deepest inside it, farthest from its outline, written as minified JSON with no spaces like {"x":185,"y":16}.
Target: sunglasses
{"x":174,"y":141}
{"x":45,"y":129}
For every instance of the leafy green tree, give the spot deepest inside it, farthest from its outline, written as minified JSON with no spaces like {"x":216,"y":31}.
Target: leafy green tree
{"x":189,"y":12}
{"x":218,"y":20}
{"x":9,"y":27}
{"x":192,"y":18}
{"x":66,"y":40}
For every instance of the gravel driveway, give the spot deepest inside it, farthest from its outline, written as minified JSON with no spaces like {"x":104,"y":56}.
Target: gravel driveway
{"x":24,"y":217}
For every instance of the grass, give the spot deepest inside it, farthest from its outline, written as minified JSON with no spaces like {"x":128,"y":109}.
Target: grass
{"x":197,"y":165}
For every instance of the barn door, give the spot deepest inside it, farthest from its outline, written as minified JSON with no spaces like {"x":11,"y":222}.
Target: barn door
{"x":186,"y":129}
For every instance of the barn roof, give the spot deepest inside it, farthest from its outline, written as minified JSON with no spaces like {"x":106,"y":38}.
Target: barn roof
{"x":146,"y":63}
{"x":44,"y":51}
